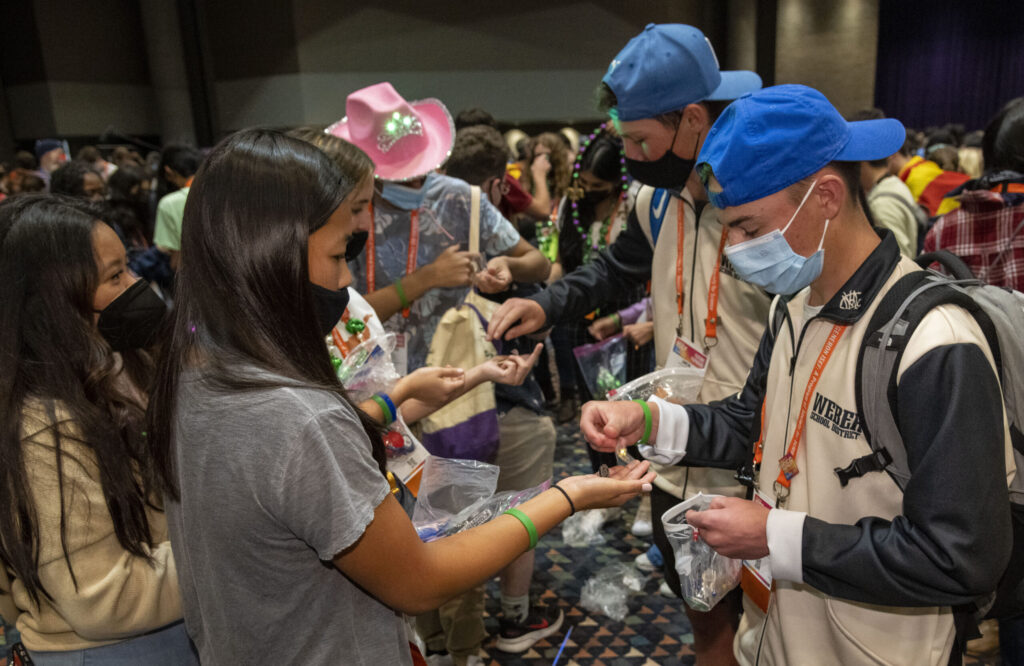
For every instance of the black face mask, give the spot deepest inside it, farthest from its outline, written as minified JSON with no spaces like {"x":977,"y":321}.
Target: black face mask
{"x":594,"y":197}
{"x":330,"y":305}
{"x":133,"y":319}
{"x":356,"y":242}
{"x":668,"y":171}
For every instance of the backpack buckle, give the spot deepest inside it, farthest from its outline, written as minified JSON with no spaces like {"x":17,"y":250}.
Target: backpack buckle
{"x":876,"y":461}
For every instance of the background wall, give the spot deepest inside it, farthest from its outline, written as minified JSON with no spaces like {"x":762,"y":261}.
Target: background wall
{"x":192,"y":70}
{"x":830,"y":46}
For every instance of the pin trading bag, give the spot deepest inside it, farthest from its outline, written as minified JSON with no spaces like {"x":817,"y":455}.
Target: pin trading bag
{"x":467,"y":427}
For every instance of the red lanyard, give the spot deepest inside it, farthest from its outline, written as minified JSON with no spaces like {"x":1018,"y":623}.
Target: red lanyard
{"x":711,"y":322}
{"x":410,"y":259}
{"x":787,"y":463}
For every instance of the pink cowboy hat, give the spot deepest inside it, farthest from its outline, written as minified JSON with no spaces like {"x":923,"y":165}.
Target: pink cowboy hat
{"x":405,"y":140}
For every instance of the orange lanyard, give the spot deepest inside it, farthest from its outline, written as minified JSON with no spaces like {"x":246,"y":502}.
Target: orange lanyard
{"x":787,"y":463}
{"x":711,"y":322}
{"x":410,"y":259}
{"x":680,"y":231}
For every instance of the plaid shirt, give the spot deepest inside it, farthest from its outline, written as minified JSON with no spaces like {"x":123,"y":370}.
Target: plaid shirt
{"x":982,"y":230}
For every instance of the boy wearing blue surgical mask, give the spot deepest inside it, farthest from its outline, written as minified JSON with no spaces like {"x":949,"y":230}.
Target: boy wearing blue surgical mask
{"x":850,"y":565}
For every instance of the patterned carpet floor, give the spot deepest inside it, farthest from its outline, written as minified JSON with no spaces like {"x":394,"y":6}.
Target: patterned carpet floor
{"x":655,"y":631}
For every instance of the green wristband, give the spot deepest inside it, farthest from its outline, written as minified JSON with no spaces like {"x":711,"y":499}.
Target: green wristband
{"x":531,"y":529}
{"x":617,"y":319}
{"x":401,"y":294}
{"x":384,"y":407}
{"x":648,"y":422}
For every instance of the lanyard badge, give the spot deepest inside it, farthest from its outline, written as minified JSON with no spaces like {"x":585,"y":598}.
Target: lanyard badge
{"x":787,"y":463}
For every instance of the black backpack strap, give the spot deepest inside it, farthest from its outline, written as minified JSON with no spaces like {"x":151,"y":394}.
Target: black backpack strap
{"x":952,"y":263}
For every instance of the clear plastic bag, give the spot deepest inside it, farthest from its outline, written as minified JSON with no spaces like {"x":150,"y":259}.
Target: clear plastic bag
{"x":479,"y":512}
{"x":608,"y":591}
{"x":583,"y":528}
{"x":679,"y":385}
{"x":449,"y":486}
{"x":705,"y":576}
{"x":603,"y":365}
{"x":368,"y":368}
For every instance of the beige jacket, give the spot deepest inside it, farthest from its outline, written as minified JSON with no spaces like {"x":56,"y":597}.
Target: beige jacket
{"x":742,"y":314}
{"x":856,"y":566}
{"x":118,"y":595}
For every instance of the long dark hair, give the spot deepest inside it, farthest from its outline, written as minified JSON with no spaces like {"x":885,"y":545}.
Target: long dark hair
{"x":243,"y":295}
{"x":602,"y":158}
{"x":129,"y":211}
{"x":53,"y":361}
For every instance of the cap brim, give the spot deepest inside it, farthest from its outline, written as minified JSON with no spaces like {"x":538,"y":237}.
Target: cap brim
{"x":872,"y":140}
{"x":735,"y":85}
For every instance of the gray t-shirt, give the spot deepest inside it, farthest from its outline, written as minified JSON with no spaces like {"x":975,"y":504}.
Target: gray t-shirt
{"x":274,"y":483}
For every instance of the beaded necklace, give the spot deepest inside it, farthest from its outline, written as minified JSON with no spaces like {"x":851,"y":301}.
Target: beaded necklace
{"x":576,"y":192}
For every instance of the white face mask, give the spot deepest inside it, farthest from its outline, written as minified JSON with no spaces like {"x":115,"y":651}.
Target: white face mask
{"x":770,"y":263}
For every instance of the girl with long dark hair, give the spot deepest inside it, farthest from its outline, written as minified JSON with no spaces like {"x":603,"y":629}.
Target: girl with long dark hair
{"x":590,"y":218}
{"x":281,"y":519}
{"x":82,"y":539}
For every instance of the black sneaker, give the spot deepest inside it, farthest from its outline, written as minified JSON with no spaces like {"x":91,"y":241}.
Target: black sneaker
{"x":520,"y":637}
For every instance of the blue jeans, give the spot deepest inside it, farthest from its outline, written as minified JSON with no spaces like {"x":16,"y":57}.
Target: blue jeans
{"x":169,"y":646}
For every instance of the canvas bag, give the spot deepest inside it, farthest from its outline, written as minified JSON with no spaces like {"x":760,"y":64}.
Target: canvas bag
{"x":467,"y":427}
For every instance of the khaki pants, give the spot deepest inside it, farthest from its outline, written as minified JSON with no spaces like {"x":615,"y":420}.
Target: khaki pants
{"x":457,"y":627}
{"x":526,"y":456}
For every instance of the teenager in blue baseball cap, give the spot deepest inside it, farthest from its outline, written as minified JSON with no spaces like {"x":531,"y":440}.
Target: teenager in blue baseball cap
{"x":663,"y":91}
{"x":857,"y":565}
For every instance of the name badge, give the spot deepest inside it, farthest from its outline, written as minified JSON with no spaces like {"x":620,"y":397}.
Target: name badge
{"x":685,"y":354}
{"x":756,"y":578}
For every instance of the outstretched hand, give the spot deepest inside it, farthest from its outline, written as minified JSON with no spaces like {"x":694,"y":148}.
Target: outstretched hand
{"x":511,"y":369}
{"x":515,"y":317}
{"x":432,"y":386}
{"x":622,"y":484}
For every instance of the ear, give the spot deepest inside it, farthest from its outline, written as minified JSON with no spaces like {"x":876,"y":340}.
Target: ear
{"x":696,"y":118}
{"x":831,"y":193}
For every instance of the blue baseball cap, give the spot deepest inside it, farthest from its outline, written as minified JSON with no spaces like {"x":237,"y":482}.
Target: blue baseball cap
{"x":768,"y":140}
{"x":668,"y":66}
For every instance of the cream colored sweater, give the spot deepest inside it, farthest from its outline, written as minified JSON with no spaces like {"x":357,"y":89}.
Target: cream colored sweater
{"x":119,"y":595}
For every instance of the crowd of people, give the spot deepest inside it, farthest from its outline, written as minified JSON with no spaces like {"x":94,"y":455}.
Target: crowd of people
{"x":185,"y":476}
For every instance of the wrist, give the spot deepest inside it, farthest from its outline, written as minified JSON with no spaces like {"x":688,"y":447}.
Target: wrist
{"x":574,"y":487}
{"x":477,"y":375}
{"x":426,"y":276}
{"x":400,"y":391}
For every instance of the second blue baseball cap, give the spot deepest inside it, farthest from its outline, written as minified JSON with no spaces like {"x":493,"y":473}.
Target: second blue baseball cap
{"x":768,"y":140}
{"x":668,"y":66}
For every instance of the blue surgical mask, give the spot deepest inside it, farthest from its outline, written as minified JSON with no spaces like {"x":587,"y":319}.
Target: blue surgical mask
{"x":769,"y":262}
{"x":403,"y":196}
